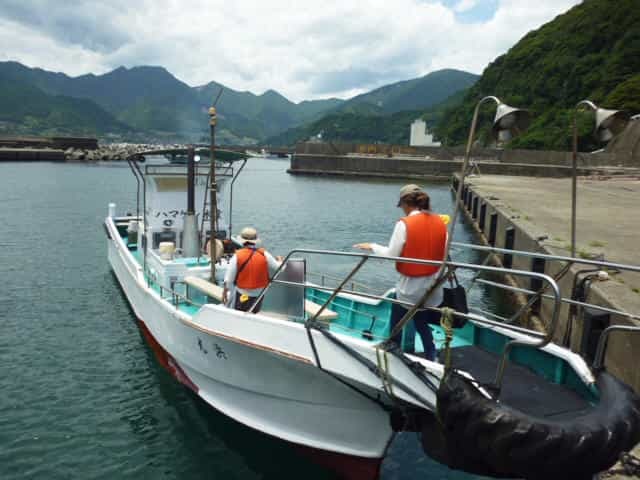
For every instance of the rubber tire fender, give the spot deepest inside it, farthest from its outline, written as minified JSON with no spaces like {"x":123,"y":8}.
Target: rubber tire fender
{"x":486,"y":437}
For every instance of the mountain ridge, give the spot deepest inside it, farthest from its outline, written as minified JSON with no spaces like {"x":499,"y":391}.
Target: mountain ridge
{"x":151,"y":99}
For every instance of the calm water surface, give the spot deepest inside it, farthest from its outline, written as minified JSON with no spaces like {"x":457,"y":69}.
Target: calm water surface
{"x":82,"y":395}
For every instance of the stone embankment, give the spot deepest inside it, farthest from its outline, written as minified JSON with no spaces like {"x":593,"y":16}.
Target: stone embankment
{"x":112,"y":152}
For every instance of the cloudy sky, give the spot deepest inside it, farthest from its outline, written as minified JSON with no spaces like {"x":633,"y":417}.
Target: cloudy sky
{"x":304,"y":49}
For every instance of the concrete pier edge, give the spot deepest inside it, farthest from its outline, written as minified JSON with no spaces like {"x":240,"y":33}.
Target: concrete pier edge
{"x":501,"y":228}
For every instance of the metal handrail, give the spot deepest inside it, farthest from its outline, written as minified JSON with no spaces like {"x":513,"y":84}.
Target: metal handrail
{"x":544,"y":340}
{"x":328,"y":276}
{"x":568,"y":301}
{"x":547,"y":256}
{"x":473,"y":318}
{"x":598,"y":362}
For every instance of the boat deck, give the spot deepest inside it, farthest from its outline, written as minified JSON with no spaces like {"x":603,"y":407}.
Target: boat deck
{"x":355,"y":319}
{"x":535,"y":381}
{"x":522,"y":388}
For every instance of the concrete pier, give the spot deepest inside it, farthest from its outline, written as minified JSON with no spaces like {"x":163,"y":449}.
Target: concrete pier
{"x":533,"y":214}
{"x":421,"y":168}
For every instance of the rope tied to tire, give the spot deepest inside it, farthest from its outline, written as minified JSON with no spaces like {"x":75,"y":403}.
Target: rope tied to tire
{"x":446,"y":322}
{"x":383,"y":367}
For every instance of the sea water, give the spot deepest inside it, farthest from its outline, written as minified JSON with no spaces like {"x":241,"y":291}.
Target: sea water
{"x":82,"y":395}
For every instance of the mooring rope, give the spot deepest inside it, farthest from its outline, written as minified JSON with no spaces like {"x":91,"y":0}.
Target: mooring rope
{"x":446,"y":322}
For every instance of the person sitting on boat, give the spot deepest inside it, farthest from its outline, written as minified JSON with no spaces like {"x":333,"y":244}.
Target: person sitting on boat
{"x":248,"y":273}
{"x":421,"y":234}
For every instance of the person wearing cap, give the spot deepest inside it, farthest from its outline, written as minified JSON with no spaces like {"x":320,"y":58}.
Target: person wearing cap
{"x":420,"y":234}
{"x":248,"y":273}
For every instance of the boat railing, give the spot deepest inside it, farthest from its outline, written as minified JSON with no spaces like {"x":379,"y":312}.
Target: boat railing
{"x":597,"y":264}
{"x":539,"y":340}
{"x":547,"y":256}
{"x":603,"y":342}
{"x":324,"y":278}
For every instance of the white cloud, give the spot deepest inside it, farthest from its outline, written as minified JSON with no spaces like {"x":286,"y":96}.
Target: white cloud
{"x":464,"y":5}
{"x":304,"y":50}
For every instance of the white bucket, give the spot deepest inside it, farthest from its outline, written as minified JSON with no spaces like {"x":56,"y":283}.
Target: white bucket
{"x":167,"y":250}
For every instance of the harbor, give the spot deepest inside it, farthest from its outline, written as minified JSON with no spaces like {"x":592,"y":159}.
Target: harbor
{"x":102,"y":402}
{"x":441,"y":163}
{"x":240,"y":252}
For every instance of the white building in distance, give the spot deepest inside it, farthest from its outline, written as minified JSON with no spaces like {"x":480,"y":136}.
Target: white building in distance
{"x":420,"y":137}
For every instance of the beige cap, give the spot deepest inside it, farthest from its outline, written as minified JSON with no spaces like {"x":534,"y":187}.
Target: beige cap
{"x":249,"y":235}
{"x":407,"y":190}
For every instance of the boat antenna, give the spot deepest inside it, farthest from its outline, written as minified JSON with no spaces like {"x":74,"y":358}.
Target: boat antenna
{"x":213,"y":189}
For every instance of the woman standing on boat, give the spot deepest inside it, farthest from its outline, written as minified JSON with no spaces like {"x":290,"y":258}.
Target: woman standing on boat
{"x":248,"y":273}
{"x":421,"y":234}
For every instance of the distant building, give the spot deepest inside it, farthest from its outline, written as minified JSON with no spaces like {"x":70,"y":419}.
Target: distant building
{"x":420,"y":137}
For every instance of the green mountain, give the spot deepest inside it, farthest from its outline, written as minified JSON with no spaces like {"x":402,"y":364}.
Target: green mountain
{"x":363,"y":125}
{"x":145,"y":98}
{"x":260,"y":116}
{"x":415,"y":94}
{"x":384,"y":114}
{"x":592,"y":51}
{"x":28,"y":110}
{"x":152,"y":101}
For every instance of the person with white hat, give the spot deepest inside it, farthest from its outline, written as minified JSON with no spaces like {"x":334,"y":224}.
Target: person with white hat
{"x":248,"y":273}
{"x":422,"y":235}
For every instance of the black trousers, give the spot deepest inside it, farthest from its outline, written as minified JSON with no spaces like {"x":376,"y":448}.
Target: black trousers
{"x":421,"y":320}
{"x":246,"y":306}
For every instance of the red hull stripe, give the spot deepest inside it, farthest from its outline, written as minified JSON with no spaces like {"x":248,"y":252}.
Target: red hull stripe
{"x":348,"y":467}
{"x":166,"y":360}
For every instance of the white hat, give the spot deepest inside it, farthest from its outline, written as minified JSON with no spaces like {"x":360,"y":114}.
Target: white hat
{"x":408,"y":190}
{"x":249,"y":235}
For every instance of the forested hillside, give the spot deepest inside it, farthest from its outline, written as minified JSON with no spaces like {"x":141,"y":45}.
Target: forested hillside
{"x":28,"y":110}
{"x":365,"y":126}
{"x":592,"y":51}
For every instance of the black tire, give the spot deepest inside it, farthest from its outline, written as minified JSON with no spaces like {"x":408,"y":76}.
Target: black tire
{"x":484,"y":437}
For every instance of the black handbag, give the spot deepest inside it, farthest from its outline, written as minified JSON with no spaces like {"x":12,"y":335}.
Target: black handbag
{"x":455,"y":297}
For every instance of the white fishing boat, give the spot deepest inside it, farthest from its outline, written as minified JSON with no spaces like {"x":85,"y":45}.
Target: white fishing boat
{"x":313,"y":368}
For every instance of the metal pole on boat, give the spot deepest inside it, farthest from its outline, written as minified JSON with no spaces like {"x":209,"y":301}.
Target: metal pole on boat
{"x":608,"y":124}
{"x":213,"y":195}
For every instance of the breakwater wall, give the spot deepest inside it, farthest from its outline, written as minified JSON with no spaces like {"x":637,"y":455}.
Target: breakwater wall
{"x":56,"y":143}
{"x":493,"y":214}
{"x":31,"y":155}
{"x":425,"y":168}
{"x":624,"y":151}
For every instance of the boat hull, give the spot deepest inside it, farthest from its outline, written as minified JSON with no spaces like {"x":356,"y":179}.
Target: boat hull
{"x":277,"y":392}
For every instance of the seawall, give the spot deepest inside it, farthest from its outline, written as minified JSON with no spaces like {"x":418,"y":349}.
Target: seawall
{"x":428,"y":168}
{"x":31,"y":155}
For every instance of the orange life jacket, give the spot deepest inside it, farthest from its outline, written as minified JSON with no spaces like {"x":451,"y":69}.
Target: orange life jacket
{"x":426,"y":238}
{"x":255,"y":274}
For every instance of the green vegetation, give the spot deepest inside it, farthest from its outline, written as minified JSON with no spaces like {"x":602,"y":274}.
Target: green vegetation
{"x":153,"y":102}
{"x":359,"y":125}
{"x":597,"y":244}
{"x":28,"y":110}
{"x":592,"y":51}
{"x":416,"y":94}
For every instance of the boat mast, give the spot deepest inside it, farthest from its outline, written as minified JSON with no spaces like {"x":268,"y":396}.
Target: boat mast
{"x":213,"y":192}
